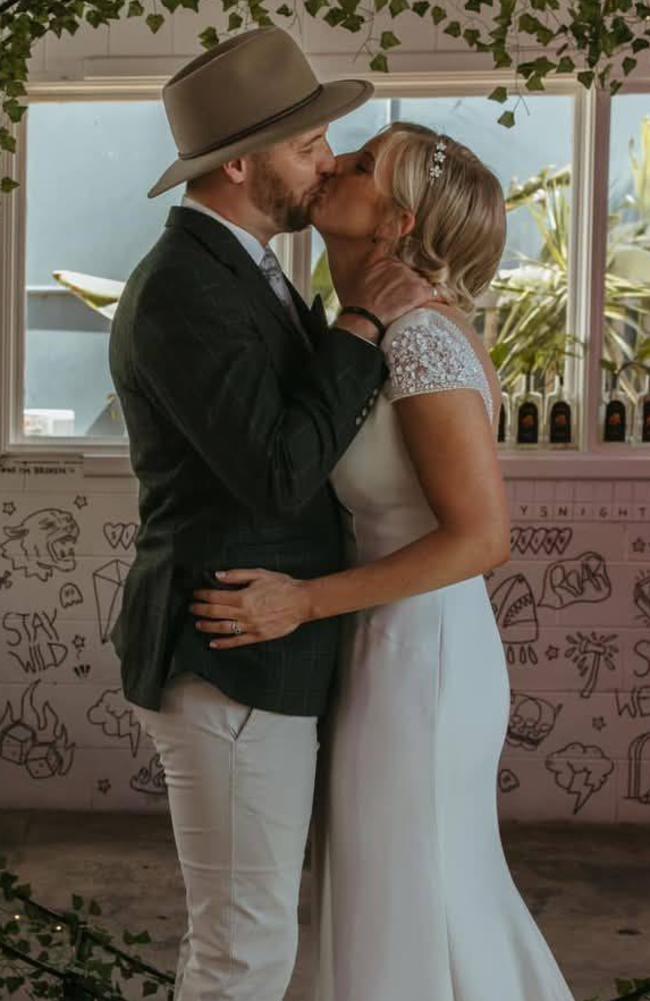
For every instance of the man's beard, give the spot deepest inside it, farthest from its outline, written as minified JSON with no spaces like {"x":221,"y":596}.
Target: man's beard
{"x":272,"y":196}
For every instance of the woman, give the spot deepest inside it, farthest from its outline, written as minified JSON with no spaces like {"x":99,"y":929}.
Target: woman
{"x":416,"y":901}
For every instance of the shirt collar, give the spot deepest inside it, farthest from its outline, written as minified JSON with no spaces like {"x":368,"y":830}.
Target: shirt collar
{"x":249,"y":242}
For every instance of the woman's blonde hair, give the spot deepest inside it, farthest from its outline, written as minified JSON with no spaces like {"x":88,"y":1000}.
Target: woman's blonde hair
{"x":460,"y":218}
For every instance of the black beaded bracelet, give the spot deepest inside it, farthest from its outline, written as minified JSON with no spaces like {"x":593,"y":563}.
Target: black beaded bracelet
{"x":360,"y":311}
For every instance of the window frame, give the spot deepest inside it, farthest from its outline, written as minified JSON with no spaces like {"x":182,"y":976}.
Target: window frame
{"x":587,"y":249}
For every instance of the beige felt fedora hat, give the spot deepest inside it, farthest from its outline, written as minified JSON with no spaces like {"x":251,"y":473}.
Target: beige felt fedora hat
{"x":247,"y":94}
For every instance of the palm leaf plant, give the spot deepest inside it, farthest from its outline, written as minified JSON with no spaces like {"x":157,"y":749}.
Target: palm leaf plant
{"x":532,"y":297}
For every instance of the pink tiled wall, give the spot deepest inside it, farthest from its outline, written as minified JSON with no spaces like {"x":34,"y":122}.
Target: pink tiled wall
{"x":573,"y":607}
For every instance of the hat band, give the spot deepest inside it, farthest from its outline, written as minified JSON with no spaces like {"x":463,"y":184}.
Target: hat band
{"x":236,"y":136}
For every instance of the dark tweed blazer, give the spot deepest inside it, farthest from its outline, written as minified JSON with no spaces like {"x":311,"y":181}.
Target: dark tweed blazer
{"x":235,"y":422}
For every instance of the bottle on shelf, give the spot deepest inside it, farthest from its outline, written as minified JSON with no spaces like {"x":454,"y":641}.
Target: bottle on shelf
{"x":561,"y":417}
{"x":527,"y":408}
{"x":642,"y":430}
{"x":503,"y":436}
{"x":617,"y":414}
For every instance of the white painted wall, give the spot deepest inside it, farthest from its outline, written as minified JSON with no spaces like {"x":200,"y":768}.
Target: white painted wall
{"x":573,"y":605}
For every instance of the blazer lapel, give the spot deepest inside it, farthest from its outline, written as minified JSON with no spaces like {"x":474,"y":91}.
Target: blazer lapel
{"x":225,"y":246}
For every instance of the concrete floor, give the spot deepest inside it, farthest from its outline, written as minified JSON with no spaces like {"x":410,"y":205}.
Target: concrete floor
{"x":588,"y":887}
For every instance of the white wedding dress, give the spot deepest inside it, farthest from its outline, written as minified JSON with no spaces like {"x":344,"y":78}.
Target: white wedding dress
{"x":414,"y":900}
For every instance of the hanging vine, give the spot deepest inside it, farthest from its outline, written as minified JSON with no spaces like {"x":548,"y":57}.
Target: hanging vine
{"x":597,"y":40}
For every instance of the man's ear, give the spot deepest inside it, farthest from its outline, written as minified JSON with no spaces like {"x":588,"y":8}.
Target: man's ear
{"x":236,"y":170}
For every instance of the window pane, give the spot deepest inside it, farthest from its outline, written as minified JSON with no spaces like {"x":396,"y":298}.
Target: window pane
{"x":533,"y":163}
{"x":90,"y":165}
{"x":625,"y":415}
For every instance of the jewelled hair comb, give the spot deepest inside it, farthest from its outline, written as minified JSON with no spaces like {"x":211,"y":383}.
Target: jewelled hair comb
{"x":437,"y":160}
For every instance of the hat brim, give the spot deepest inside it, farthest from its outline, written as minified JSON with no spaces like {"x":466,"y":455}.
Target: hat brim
{"x":336,"y":99}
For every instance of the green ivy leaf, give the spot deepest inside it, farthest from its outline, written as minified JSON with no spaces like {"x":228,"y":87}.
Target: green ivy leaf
{"x":15,"y":112}
{"x":628,"y":65}
{"x":13,"y":983}
{"x":438,"y":14}
{"x":507,"y":119}
{"x":77,"y":902}
{"x":7,"y":141}
{"x":94,"y":908}
{"x":171,"y":5}
{"x":380,"y":4}
{"x":640,"y":43}
{"x":471,"y":36}
{"x":235,"y":21}
{"x":149,"y":987}
{"x":154,"y":22}
{"x":565,"y":65}
{"x":397,"y":6}
{"x":421,"y":7}
{"x":209,"y":38}
{"x":453,"y":29}
{"x":335,"y":16}
{"x":135,"y":9}
{"x":285,"y":11}
{"x":313,"y":6}
{"x":499,"y":94}
{"x":534,"y":83}
{"x":15,"y":88}
{"x":389,"y":40}
{"x":379,"y":64}
{"x":586,"y":78}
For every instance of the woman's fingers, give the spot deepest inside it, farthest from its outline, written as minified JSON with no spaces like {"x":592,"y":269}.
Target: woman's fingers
{"x":243,"y":640}
{"x":213,"y":610}
{"x":222,"y":628}
{"x":240,"y":576}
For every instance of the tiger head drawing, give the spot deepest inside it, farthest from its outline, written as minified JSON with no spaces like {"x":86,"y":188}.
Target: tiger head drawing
{"x":42,"y":543}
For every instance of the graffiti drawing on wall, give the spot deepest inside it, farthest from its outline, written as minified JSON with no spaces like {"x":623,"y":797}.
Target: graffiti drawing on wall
{"x":5,"y":580}
{"x":120,"y":535}
{"x":70,"y":595}
{"x":641,"y":596}
{"x":108,"y":583}
{"x":635,"y":704}
{"x":642,"y":650}
{"x":35,"y":739}
{"x":42,"y":543}
{"x":33,"y":640}
{"x":115,"y":718}
{"x":638,"y":769}
{"x":150,"y":779}
{"x":590,"y":654}
{"x":581,"y":770}
{"x":514,"y":607}
{"x":9,"y":508}
{"x":508,"y":780}
{"x":531,"y":720}
{"x":580,"y":580}
{"x":551,"y":541}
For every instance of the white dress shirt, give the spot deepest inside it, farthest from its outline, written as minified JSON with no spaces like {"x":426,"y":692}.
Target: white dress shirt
{"x":247,"y":240}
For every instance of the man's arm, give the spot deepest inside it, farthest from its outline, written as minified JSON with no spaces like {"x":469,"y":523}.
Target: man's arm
{"x":212,"y":375}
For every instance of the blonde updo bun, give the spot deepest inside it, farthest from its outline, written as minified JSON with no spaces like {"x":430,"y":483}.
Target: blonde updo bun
{"x":460,"y":217}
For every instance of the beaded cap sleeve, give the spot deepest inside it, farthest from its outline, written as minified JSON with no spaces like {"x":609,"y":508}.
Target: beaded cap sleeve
{"x":428,"y":353}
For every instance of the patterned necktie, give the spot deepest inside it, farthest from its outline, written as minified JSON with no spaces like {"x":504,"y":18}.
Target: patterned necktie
{"x":270,"y":268}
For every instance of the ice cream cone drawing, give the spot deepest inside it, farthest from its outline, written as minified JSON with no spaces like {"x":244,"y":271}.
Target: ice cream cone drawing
{"x":590,"y":654}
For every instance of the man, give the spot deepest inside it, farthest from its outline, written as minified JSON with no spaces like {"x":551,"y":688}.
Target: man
{"x":239,"y":401}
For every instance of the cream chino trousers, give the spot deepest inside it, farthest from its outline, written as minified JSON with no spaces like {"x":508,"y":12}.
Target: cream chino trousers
{"x":240,"y":783}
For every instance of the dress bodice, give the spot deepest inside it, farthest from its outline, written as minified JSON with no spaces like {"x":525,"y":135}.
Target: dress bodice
{"x":375,"y":479}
